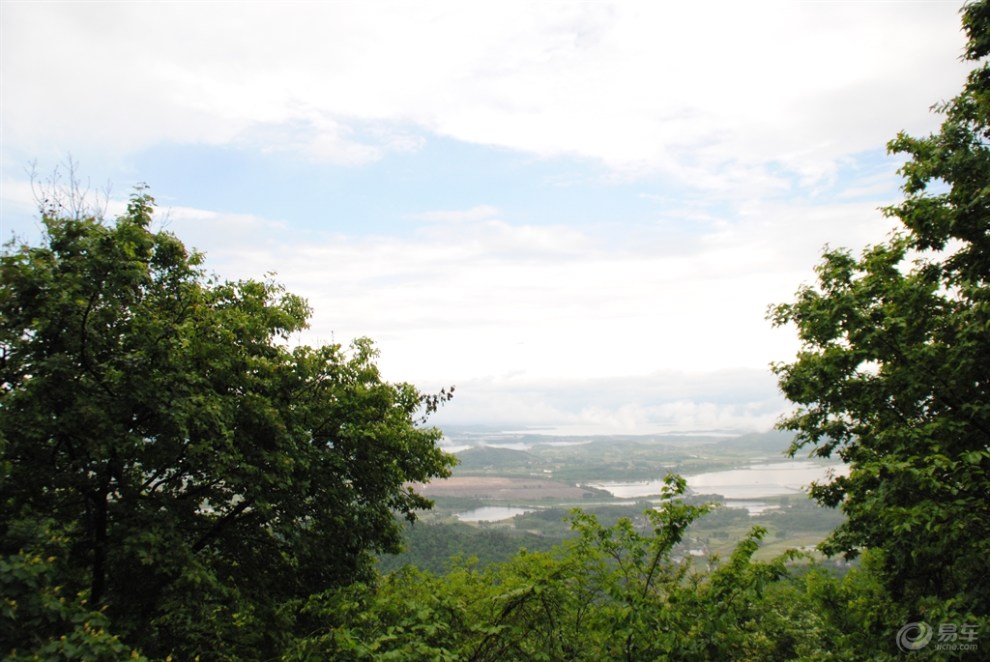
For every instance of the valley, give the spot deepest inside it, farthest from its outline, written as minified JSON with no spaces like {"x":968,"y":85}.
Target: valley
{"x":516,"y":490}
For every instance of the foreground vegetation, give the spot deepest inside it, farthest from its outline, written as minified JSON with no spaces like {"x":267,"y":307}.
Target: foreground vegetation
{"x":612,"y":592}
{"x":177,"y":482}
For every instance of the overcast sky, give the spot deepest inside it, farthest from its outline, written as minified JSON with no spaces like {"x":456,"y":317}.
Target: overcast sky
{"x":576,"y":212}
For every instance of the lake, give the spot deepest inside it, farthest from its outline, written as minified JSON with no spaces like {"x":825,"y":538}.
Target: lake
{"x":766,"y":479}
{"x":752,"y":507}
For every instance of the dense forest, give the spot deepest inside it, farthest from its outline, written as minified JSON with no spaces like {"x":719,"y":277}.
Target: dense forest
{"x":179,"y":481}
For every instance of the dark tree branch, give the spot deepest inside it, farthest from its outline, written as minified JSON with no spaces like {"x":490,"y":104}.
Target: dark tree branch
{"x":226,"y":520}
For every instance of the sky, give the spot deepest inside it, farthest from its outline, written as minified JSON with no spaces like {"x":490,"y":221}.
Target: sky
{"x":575,"y":212}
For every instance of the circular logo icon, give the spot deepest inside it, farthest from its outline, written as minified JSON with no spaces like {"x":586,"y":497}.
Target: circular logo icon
{"x":914,"y":636}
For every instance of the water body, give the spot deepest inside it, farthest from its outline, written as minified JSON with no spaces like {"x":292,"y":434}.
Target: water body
{"x":492,"y":513}
{"x":752,"y":482}
{"x":752,"y":507}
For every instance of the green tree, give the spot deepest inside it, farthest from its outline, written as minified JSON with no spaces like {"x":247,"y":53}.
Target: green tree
{"x":894,"y":372}
{"x":206,"y":474}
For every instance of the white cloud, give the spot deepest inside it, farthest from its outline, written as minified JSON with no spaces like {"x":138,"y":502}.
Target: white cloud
{"x":203,"y":229}
{"x":318,"y":139}
{"x":707,"y":93}
{"x":665,"y":401}
{"x":457,"y":301}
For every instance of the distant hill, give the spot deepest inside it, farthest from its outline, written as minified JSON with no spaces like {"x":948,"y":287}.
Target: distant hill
{"x":482,"y":457}
{"x":772,"y":442}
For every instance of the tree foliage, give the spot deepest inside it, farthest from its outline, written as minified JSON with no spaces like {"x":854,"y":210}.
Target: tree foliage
{"x":613,"y":593}
{"x":894,"y":373}
{"x":204,"y":473}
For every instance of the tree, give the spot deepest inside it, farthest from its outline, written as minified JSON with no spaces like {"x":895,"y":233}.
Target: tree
{"x":38,"y":619}
{"x":894,"y":372}
{"x":207,"y":475}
